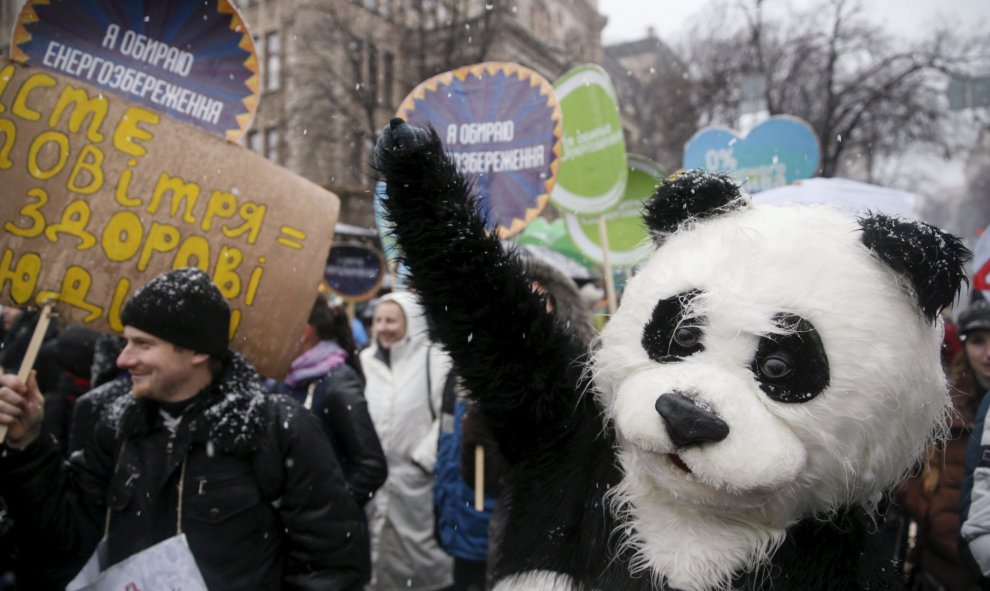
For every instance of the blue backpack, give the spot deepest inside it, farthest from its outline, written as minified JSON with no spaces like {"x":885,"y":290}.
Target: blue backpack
{"x":461,"y":530}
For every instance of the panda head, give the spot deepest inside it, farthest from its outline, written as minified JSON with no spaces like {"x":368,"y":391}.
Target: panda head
{"x":780,"y":359}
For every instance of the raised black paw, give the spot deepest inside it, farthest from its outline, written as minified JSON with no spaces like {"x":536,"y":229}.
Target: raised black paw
{"x":398,"y":137}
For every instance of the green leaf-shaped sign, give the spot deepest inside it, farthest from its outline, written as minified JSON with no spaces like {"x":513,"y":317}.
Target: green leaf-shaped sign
{"x":592,"y":175}
{"x":627,"y":235}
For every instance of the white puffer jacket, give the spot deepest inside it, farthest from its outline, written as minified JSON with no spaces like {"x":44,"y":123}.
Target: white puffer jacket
{"x":405,"y":554}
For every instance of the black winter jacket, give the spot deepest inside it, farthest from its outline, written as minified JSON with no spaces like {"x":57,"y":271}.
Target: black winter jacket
{"x":338,"y":401}
{"x":263,"y":503}
{"x":89,"y":408}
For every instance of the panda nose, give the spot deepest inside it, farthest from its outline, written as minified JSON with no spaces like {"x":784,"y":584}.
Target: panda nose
{"x":687,"y":423}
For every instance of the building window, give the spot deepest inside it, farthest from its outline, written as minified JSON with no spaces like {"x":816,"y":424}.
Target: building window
{"x":357,"y":61}
{"x":357,"y":156}
{"x":443,"y":14}
{"x":540,"y":18}
{"x":428,"y":12}
{"x":253,"y":141}
{"x":388,"y":77}
{"x":272,"y":138}
{"x":273,"y":60}
{"x":373,"y":72}
{"x":575,"y":45}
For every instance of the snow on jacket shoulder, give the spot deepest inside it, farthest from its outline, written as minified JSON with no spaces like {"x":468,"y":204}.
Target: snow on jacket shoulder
{"x":264,"y":505}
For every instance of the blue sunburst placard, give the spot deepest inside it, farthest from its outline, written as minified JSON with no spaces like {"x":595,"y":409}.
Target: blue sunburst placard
{"x":501,"y":123}
{"x":194,"y":61}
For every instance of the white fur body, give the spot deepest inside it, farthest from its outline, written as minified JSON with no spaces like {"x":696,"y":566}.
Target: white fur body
{"x":780,"y":461}
{"x":537,"y":580}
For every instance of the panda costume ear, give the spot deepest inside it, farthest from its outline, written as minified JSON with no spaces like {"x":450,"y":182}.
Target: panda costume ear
{"x":932,"y":260}
{"x":692,"y":195}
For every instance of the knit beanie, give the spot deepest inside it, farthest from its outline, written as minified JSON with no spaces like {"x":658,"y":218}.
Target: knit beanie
{"x":975,"y":317}
{"x":183,"y":307}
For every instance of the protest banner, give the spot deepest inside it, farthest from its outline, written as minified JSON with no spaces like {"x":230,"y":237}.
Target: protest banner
{"x":628,"y":240}
{"x":618,"y":237}
{"x":354,"y":272}
{"x":501,"y":123}
{"x":101,"y":195}
{"x":194,"y":61}
{"x":553,"y":235}
{"x":773,"y":154}
{"x":592,"y":174}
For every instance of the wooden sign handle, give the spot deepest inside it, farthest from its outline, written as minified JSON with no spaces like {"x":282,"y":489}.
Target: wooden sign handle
{"x":479,"y":478}
{"x":32,"y":351}
{"x":607,"y":267}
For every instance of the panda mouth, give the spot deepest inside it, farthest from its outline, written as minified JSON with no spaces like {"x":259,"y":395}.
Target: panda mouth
{"x":678,"y":462}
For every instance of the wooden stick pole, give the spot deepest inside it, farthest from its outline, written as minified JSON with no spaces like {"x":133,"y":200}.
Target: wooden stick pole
{"x":32,"y":351}
{"x":479,"y":478}
{"x":609,"y":281}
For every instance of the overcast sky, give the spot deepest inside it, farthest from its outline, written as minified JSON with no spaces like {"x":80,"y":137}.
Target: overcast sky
{"x":628,"y":19}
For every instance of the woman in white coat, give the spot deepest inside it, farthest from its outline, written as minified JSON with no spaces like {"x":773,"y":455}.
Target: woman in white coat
{"x":406,"y":375}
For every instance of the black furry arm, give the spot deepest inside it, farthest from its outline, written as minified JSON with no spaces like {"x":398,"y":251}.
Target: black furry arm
{"x":518,"y":362}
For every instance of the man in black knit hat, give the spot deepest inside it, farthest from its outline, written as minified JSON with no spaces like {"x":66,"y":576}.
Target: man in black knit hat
{"x":198,"y":447}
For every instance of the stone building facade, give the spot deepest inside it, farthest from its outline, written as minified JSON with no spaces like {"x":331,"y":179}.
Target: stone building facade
{"x":334,"y":71}
{"x":648,"y":77}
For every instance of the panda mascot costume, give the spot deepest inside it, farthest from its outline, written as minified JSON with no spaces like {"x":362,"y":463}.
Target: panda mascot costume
{"x":770,"y":374}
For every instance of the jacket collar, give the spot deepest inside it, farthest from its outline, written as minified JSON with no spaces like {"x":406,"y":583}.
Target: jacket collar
{"x":229,"y":413}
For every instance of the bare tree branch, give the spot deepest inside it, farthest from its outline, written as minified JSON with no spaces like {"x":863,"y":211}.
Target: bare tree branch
{"x":834,"y":69}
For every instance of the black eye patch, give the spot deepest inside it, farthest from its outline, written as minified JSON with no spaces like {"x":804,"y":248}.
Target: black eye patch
{"x":791,"y":367}
{"x":669,"y":335}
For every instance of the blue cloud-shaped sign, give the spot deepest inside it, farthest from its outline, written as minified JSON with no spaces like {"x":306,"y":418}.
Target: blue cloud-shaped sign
{"x":775,"y":153}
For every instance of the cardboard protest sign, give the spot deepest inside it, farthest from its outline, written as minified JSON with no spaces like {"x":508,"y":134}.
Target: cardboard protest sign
{"x":773,"y":154}
{"x":501,"y":123}
{"x":592,"y":174}
{"x":194,"y":61}
{"x":101,"y":195}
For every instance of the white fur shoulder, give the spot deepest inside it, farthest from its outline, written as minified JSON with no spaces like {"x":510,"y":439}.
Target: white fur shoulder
{"x":537,"y":580}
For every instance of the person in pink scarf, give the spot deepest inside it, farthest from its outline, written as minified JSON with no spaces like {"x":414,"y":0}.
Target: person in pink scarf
{"x":326,"y":377}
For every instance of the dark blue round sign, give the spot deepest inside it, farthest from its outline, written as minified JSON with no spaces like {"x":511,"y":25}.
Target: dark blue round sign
{"x":354,"y":272}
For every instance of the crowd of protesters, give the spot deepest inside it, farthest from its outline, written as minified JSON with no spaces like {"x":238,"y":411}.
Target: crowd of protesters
{"x":322,"y":480}
{"x":359,"y":469}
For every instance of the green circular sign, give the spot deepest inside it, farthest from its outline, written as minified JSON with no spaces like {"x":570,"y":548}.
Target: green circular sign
{"x":592,"y":175}
{"x":554,"y":236}
{"x":627,"y":236}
